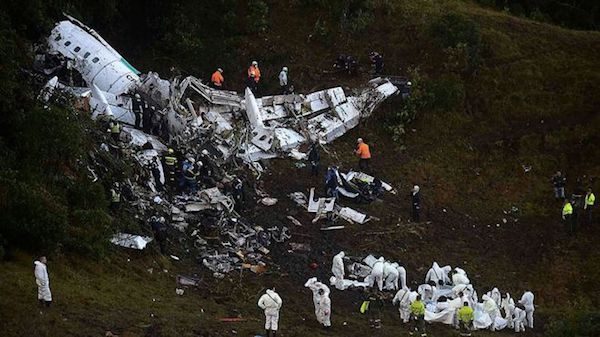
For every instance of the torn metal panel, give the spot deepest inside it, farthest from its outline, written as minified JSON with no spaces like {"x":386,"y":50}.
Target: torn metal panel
{"x":314,"y":205}
{"x":352,"y":215}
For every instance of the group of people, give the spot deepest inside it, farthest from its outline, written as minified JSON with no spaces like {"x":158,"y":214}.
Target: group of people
{"x":447,"y":296}
{"x":217,"y":80}
{"x":577,"y":209}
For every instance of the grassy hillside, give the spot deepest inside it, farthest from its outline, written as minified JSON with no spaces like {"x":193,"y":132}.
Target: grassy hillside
{"x":492,"y":93}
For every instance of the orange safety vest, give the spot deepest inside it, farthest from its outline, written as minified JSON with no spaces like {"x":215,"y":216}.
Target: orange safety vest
{"x":217,"y":79}
{"x":363,"y":151}
{"x":256,"y":73}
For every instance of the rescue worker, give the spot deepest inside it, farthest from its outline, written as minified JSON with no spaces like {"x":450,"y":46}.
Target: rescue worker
{"x":404,"y":297}
{"x":283,"y":81}
{"x":251,"y":82}
{"x":170,"y":166}
{"x":376,"y":61}
{"x":465,"y":318}
{"x":271,"y":303}
{"x":314,"y":157}
{"x":337,"y":268}
{"x":156,"y":174}
{"x":190,"y":175}
{"x":115,"y":130}
{"x":527,"y":301}
{"x":437,"y":274}
{"x":254,"y":69}
{"x":159,"y":228}
{"x":416,"y":203}
{"x":217,"y":79}
{"x":460,"y":277}
{"x":519,"y":316}
{"x":137,"y":106}
{"x":147,"y":118}
{"x":324,"y":310}
{"x":363,"y":153}
{"x":377,"y":273}
{"x":238,"y":193}
{"x":590,"y":200}
{"x":390,"y":276}
{"x":331,"y":182}
{"x":491,"y":307}
{"x":567,"y":215}
{"x":43,"y":281}
{"x":417,"y":316}
{"x":321,"y":301}
{"x":115,"y":197}
{"x":559,"y":181}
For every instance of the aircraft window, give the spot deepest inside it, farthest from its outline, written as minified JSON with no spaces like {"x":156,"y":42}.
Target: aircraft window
{"x":68,"y":43}
{"x":86,"y":55}
{"x":77,"y":49}
{"x":57,"y":38}
{"x":95,"y":60}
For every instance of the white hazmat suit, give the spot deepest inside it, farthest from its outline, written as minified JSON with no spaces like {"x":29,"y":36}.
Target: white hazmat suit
{"x":404,"y":297}
{"x":390,"y":276}
{"x":518,"y":319}
{"x":271,"y":304}
{"x":43,"y":282}
{"x":337,"y":268}
{"x":437,"y":274}
{"x":377,"y":273}
{"x":491,"y":308}
{"x":322,"y":301}
{"x":527,"y":301}
{"x":460,"y":277}
{"x":508,"y":305}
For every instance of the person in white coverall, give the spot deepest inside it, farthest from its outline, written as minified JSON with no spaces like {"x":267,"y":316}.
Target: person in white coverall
{"x":438,"y":275}
{"x":404,"y":297}
{"x":460,"y":277}
{"x":322,"y":305}
{"x":271,"y":303}
{"x":377,"y":273}
{"x":43,"y":281}
{"x":390,"y":276}
{"x":324,"y":308}
{"x":337,"y":268}
{"x":508,"y":305}
{"x":519,"y":317}
{"x":490,"y":306}
{"x":527,"y":301}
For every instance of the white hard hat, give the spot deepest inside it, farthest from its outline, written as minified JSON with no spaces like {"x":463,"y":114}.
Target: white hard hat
{"x":137,"y":95}
{"x":416,"y":188}
{"x":408,"y":83}
{"x":359,"y":140}
{"x":205,"y":152}
{"x":220,"y":70}
{"x":285,"y":69}
{"x":254,"y":63}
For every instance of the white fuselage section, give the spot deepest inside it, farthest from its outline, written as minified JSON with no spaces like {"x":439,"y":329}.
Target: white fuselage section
{"x":97,"y":62}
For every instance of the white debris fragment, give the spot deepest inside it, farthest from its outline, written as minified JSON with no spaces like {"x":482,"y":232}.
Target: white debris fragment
{"x":268,"y":201}
{"x":130,"y":240}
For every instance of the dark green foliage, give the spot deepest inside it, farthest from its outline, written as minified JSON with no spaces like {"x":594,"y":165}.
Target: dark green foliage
{"x":454,"y":32}
{"x":583,"y":14}
{"x":258,"y":16}
{"x":582,"y":325}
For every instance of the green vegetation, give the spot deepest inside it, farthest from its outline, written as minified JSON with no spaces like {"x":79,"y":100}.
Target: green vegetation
{"x":491,"y":93}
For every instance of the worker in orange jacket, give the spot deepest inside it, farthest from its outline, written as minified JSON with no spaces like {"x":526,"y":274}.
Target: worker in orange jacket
{"x":254,"y":69}
{"x":217,"y":79}
{"x":363,"y":153}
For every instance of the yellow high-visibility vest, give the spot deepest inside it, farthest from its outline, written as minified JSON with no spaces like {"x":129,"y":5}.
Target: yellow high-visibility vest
{"x":567,"y":209}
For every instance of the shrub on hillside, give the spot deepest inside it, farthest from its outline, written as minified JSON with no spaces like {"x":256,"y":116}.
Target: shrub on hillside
{"x":582,"y":325}
{"x":456,"y":32}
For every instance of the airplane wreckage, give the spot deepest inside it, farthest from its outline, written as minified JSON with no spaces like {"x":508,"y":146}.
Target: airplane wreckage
{"x":194,"y":118}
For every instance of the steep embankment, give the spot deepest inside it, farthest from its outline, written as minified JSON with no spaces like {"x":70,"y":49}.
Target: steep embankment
{"x":492,"y":93}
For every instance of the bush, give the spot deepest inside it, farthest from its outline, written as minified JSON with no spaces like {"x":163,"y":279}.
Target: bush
{"x":581,"y":325}
{"x":258,"y":16}
{"x":453,"y":31}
